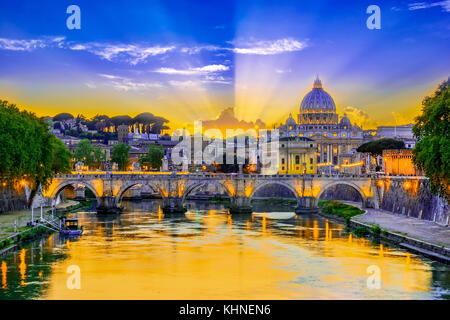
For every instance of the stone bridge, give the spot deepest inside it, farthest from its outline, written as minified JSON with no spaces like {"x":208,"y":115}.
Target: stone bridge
{"x":108,"y":187}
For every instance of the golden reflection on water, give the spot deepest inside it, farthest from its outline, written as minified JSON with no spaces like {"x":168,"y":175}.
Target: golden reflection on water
{"x":22,"y":267}
{"x":4,"y":269}
{"x":212,"y":255}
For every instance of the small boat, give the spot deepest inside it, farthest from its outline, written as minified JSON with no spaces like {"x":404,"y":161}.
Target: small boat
{"x":71,"y":228}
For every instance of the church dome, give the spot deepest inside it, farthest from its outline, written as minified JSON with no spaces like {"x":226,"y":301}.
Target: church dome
{"x":318,"y":99}
{"x":290,"y":122}
{"x":345,"y":121}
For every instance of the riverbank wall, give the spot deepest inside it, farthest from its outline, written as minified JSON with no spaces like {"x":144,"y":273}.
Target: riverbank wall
{"x":411,"y":197}
{"x":12,"y":198}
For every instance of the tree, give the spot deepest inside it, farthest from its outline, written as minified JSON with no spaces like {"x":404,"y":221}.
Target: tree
{"x":61,"y":156}
{"x":154,"y":157}
{"x":119,"y":155}
{"x":376,"y":147}
{"x":432,"y":130}
{"x":88,"y":154}
{"x":25,"y":148}
{"x":119,"y":120}
{"x":62,"y":116}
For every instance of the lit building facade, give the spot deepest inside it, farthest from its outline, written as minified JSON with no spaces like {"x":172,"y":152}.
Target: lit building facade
{"x":335,"y":139}
{"x":297,"y":155}
{"x":399,"y":162}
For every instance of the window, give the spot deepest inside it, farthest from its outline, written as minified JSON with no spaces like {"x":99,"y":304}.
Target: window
{"x":282,"y":161}
{"x":310,"y":160}
{"x":297,"y":159}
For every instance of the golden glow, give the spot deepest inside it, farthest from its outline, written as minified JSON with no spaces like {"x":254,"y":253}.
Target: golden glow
{"x":248,"y":190}
{"x":22,"y":267}
{"x":407,"y":185}
{"x":4,"y":269}
{"x":355,"y":164}
{"x":221,"y":259}
{"x":380,"y":183}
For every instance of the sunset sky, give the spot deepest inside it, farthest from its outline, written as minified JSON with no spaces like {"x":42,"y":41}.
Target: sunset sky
{"x":191,"y":60}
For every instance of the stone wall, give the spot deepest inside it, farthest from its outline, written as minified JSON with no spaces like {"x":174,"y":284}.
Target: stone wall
{"x":12,"y":199}
{"x":411,"y":197}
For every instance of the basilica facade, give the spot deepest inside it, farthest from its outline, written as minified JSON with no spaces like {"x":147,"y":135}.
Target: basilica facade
{"x":335,"y":139}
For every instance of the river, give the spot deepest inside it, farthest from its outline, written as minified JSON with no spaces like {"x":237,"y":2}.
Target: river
{"x":208,"y":254}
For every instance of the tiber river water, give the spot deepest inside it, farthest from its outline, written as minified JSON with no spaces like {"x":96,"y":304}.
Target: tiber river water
{"x":208,"y":254}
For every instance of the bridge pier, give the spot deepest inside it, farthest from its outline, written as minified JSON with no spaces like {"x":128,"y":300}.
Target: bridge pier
{"x":173,"y":205}
{"x":240,"y":204}
{"x":107,"y":204}
{"x":80,"y":193}
{"x":307,"y":205}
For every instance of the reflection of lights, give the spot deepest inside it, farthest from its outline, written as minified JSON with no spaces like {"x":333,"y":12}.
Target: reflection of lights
{"x":380,"y":183}
{"x":407,"y":185}
{"x":22,"y":267}
{"x":4,"y":269}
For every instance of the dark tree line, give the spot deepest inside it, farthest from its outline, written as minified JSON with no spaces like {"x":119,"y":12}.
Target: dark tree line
{"x":148,"y":122}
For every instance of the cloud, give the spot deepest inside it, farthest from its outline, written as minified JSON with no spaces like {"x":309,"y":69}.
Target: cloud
{"x":227,"y":120}
{"x":31,"y":44}
{"x":216,"y":79}
{"x":198,"y":49}
{"x":189,"y":84}
{"x":268,"y":47}
{"x":281,"y":71}
{"x":126,"y":84}
{"x":194,"y":71}
{"x":445,"y":5}
{"x":359,"y":117}
{"x":129,"y":53}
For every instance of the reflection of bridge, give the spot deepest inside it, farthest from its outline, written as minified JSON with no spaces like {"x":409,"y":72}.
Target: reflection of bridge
{"x":108,"y":187}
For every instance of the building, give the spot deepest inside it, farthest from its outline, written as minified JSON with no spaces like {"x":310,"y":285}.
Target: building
{"x":403,"y":133}
{"x":122,"y":133}
{"x":297,"y":156}
{"x":399,"y":162}
{"x":318,"y":120}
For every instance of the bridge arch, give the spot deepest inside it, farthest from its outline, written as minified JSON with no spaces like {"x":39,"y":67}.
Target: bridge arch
{"x":195,"y":185}
{"x":351,"y":184}
{"x":270,"y":182}
{"x":60,"y":187}
{"x":129,"y":185}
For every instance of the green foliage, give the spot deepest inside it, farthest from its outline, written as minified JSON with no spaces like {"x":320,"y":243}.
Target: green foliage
{"x":89,"y":154}
{"x":119,"y":155}
{"x":361,"y":231}
{"x":339,"y":209}
{"x":61,"y":156}
{"x":5,"y":243}
{"x":154,"y":157}
{"x":25,"y":146}
{"x":376,"y":147}
{"x":375,"y":230}
{"x":432,"y":130}
{"x":384,"y":232}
